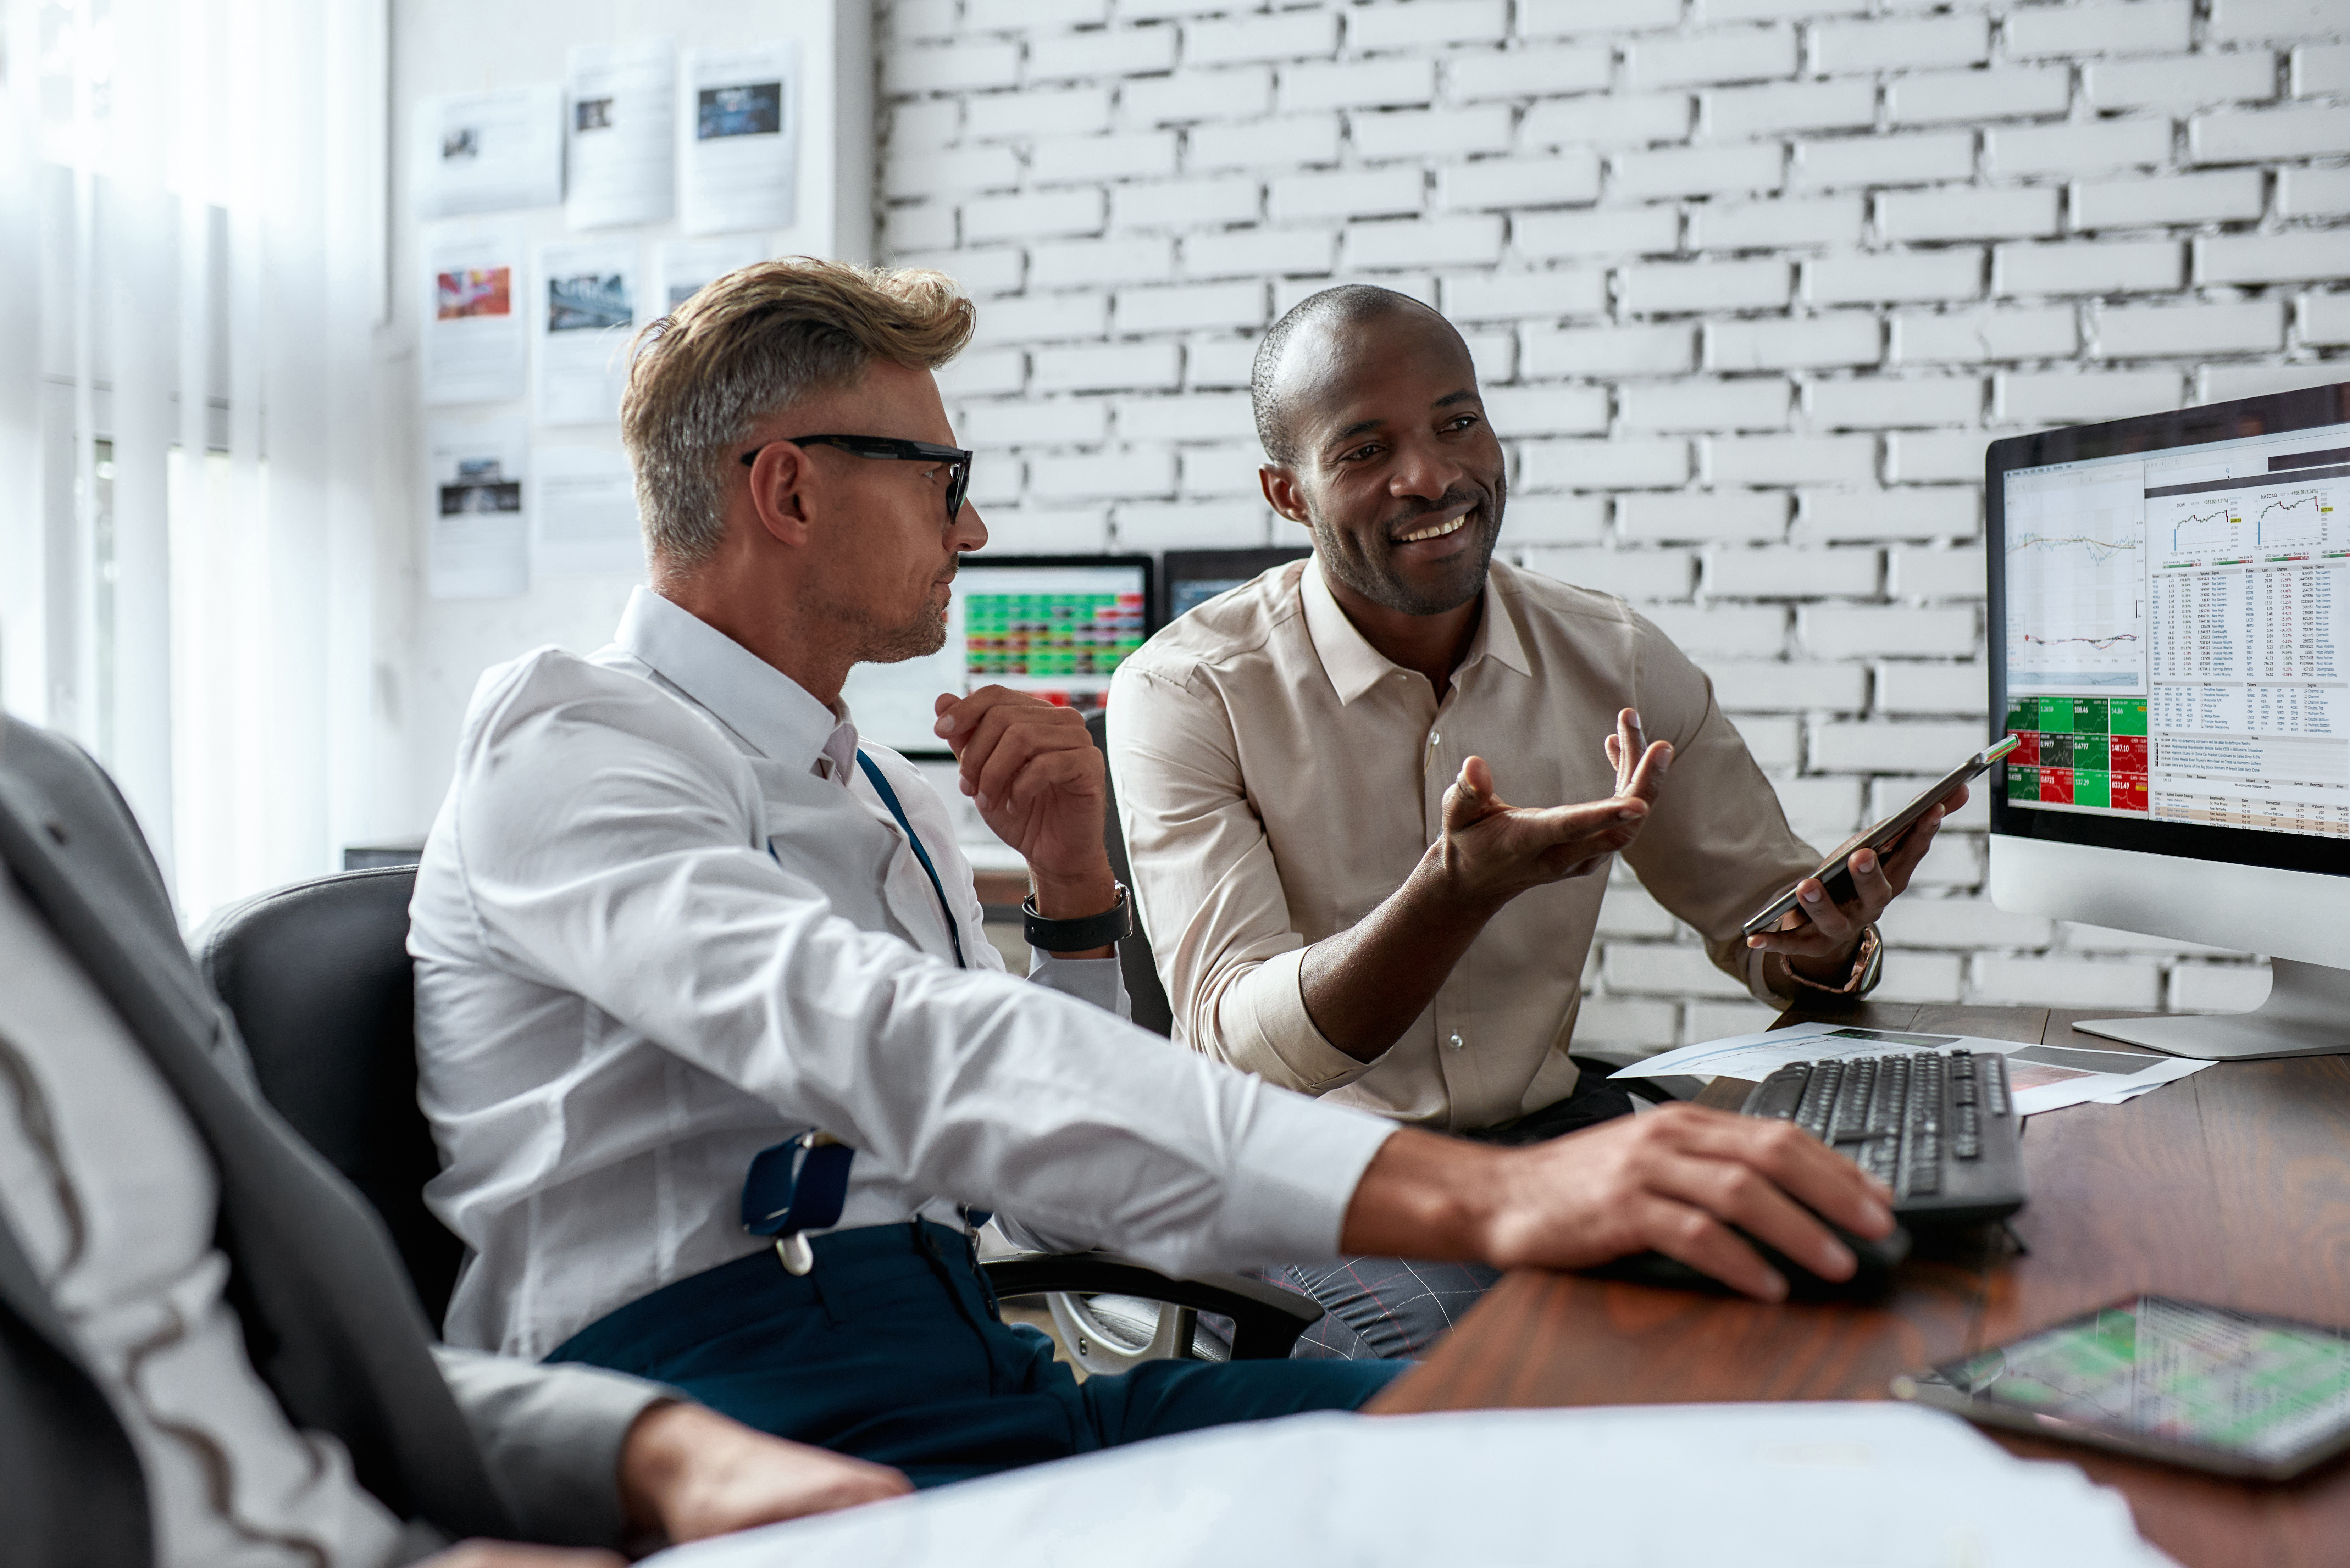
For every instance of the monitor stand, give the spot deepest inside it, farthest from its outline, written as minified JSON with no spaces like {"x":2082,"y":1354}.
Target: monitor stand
{"x":2307,"y":1015}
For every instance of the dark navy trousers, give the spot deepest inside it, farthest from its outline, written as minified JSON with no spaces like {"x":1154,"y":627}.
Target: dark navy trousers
{"x":890,"y":1349}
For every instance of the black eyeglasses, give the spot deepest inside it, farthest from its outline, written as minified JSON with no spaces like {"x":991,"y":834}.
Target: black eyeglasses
{"x":889,"y":448}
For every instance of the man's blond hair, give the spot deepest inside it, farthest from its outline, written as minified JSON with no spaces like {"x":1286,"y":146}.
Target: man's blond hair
{"x":749,"y":344}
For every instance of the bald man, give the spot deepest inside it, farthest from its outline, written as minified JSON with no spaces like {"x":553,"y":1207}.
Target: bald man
{"x":1316,"y":771}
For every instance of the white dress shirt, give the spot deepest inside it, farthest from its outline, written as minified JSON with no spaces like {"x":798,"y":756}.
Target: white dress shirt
{"x":110,"y":1195}
{"x":654,"y":936}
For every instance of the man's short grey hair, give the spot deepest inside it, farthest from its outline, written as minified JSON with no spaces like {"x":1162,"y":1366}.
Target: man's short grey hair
{"x":1348,"y":304}
{"x":753,"y":343}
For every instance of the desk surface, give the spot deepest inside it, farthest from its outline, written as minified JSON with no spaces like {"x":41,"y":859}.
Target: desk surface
{"x":2230,"y":1187}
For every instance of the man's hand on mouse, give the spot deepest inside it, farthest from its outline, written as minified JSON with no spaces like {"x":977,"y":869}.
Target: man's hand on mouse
{"x":1819,"y":936}
{"x":1492,"y":851}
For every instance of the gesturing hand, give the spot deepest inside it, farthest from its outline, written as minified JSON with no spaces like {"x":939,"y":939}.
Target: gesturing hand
{"x":1040,"y":786}
{"x":1494,"y":851}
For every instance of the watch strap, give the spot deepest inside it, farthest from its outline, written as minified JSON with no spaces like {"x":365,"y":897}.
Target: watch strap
{"x":1868,"y":960}
{"x":1112,"y":926}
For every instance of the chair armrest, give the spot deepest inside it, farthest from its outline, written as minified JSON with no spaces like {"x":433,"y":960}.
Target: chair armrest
{"x":1266,"y":1319}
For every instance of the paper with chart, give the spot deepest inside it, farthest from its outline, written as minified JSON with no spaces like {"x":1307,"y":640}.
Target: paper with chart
{"x":583,"y":521}
{"x":738,"y":138}
{"x":475,"y":349}
{"x":478,"y":542}
{"x":2044,"y":1078}
{"x":621,"y":132}
{"x":488,"y":151}
{"x":687,"y":264}
{"x":587,"y":314}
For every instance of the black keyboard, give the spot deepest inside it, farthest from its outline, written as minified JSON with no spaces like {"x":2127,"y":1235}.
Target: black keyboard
{"x":1939,"y":1130}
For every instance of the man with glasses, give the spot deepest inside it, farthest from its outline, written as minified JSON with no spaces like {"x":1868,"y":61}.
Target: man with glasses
{"x":720,"y":1061}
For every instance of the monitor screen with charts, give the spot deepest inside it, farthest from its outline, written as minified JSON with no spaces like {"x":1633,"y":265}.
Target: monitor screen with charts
{"x":1192,"y":578}
{"x":2170,"y":599}
{"x":1053,"y":625}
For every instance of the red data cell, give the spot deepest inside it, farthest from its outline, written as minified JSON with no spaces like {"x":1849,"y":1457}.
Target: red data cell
{"x":2128,"y":754}
{"x":2027,"y":750}
{"x":2129,"y":791}
{"x":2056,"y":785}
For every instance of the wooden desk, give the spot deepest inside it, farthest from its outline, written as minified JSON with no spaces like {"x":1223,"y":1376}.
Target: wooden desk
{"x":2230,"y":1187}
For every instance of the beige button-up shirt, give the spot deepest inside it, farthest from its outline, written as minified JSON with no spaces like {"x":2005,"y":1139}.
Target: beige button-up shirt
{"x":1278,"y":778}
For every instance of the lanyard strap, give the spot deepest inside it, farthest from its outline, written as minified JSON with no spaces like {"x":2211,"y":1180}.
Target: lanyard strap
{"x":890,"y":798}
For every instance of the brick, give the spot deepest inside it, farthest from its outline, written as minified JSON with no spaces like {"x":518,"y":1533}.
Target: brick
{"x":1878,"y":747}
{"x":1185,"y":203}
{"x":2252,"y":136}
{"x":1189,"y":306}
{"x":1219,"y":361}
{"x":2053,"y":397}
{"x":1657,"y":287}
{"x":2104,"y":939}
{"x":1010,"y":115}
{"x":1107,"y":52}
{"x":1356,"y":194}
{"x":1001,"y":480}
{"x":1185,"y":418}
{"x":2238,"y":20}
{"x":1738,"y":112}
{"x":961,"y":69}
{"x":1640,"y":576}
{"x":1103,"y":474}
{"x":2144,"y":267}
{"x":1640,"y":231}
{"x":1775,"y":744}
{"x":1611,"y":350}
{"x":1649,"y":967}
{"x":930,"y":226}
{"x":1219,"y":472}
{"x":1041,"y":318}
{"x":2313,"y":193}
{"x":1058,"y":421}
{"x":1285,"y":143}
{"x":1724,"y":54}
{"x":1702,"y":517}
{"x":1910,"y":512}
{"x":1879,"y":403}
{"x":2273,"y":258}
{"x":1427,"y":24}
{"x":1555,"y":519}
{"x":1791,"y":459}
{"x":1945,"y":98}
{"x":2065,"y":983}
{"x":909,"y":19}
{"x":1630,"y":911}
{"x":1037,"y":213}
{"x":1130,"y":259}
{"x":1453,"y":242}
{"x":1845,"y":338}
{"x":955,"y":172}
{"x":2321,"y":70}
{"x":1911,"y":159}
{"x":1646,"y":1027}
{"x":1955,"y":861}
{"x":2154,"y":331}
{"x":1967,"y":337}
{"x":933,"y":123}
{"x":1839,"y":48}
{"x":1191,"y":525}
{"x":1938,"y":274}
{"x":2223,"y":383}
{"x":1430,"y":133}
{"x":2325,"y":317}
{"x":1917,"y":922}
{"x":1538,"y":296}
{"x":1753,"y":404}
{"x":1186,"y":97}
{"x":1076,"y":531}
{"x":2209,"y":988}
{"x":1072,"y":159}
{"x":1249,"y":252}
{"x":1965,"y":213}
{"x":1281,"y":37}
{"x":1777,"y":685}
{"x":2077,"y":149}
{"x":1738,"y":630}
{"x":1107,"y":367}
{"x":1790,"y":574}
{"x":978,"y":374}
{"x":1015,"y":16}
{"x":1905,"y":688}
{"x":1564,"y":176}
{"x":1570,"y":464}
{"x":2214,"y":196}
{"x":1721,"y":1021}
{"x":1535,"y":73}
{"x":1610,"y":120}
{"x":1547,"y":410}
{"x":1548,"y":18}
{"x":1494,"y":355}
{"x":1778,"y":224}
{"x":1933,"y":978}
{"x":1780,"y":10}
{"x":1289,"y":292}
{"x":998,"y":270}
{"x":1925,"y":456}
{"x":2181,"y":81}
{"x":2142,"y":27}
{"x":1357,"y":84}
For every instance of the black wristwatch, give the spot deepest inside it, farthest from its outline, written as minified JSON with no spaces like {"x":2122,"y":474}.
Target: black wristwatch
{"x":1113,"y":925}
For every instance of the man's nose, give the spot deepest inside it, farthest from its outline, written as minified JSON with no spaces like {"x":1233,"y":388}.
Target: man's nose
{"x":969,"y":532}
{"x":1422,"y":470}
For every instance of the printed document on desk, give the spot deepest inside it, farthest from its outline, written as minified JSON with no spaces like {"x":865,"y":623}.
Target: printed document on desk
{"x":2044,"y":1078}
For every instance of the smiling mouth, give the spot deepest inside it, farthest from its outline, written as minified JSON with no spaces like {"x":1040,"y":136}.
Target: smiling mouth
{"x":1435,"y":530}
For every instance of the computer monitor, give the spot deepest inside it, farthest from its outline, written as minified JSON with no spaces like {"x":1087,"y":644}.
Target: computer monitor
{"x":1194,"y":576}
{"x":1053,"y":625}
{"x":2169,"y":596}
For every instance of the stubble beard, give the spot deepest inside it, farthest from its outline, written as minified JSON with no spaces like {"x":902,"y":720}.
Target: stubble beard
{"x":1373,"y":576}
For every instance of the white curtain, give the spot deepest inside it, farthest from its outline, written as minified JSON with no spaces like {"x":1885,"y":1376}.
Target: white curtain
{"x":191,"y":274}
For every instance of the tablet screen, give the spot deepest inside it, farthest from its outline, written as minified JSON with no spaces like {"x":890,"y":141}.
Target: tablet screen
{"x":2158,"y":1372}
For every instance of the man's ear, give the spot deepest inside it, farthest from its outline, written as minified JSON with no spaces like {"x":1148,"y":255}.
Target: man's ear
{"x":782,"y":489}
{"x":1281,"y":492}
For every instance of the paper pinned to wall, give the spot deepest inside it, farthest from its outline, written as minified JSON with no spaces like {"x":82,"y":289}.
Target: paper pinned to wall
{"x":621,"y":133}
{"x":687,"y":264}
{"x":583,"y":521}
{"x":738,"y":138}
{"x":479,"y":542}
{"x":489,"y":151}
{"x":586,"y":313}
{"x":475,"y":349}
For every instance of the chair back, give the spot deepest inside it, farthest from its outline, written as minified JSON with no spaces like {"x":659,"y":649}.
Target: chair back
{"x":319,"y":979}
{"x":1144,"y":995}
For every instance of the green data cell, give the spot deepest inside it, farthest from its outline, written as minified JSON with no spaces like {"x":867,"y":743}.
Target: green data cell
{"x":2022,"y":713}
{"x":2056,"y":716}
{"x":2022,"y":784}
{"x":2089,"y":752}
{"x":2088,"y":716}
{"x":2127,"y":715}
{"x":2091,"y":787}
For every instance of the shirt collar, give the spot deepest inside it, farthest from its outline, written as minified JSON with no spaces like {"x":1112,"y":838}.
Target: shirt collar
{"x":778,"y":716}
{"x":1354,"y":666}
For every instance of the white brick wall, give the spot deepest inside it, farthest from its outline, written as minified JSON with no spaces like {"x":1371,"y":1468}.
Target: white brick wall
{"x":1752,"y":284}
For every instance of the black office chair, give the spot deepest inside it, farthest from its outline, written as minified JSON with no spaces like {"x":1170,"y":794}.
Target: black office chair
{"x":319,"y":979}
{"x":1144,"y":995}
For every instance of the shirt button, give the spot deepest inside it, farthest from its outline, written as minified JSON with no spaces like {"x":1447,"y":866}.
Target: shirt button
{"x":1454,"y":1042}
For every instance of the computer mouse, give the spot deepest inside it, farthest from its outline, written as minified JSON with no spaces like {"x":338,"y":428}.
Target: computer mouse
{"x":1872,"y":1276}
